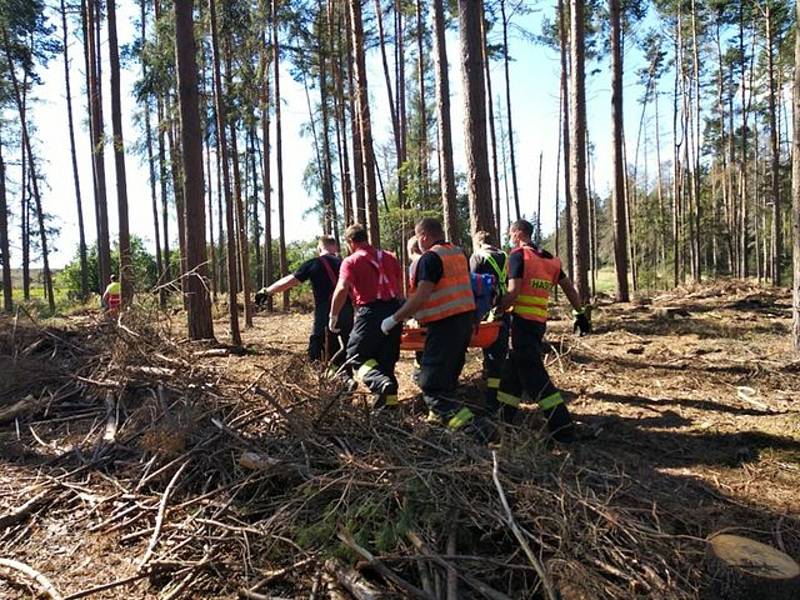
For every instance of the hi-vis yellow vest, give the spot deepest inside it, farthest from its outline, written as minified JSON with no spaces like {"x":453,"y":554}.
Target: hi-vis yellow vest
{"x":538,"y":278}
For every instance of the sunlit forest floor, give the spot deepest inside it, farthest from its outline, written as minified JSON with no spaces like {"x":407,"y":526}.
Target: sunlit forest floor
{"x":179,"y":470}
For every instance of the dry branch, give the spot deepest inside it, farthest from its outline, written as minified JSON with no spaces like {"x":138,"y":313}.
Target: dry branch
{"x":43,"y":582}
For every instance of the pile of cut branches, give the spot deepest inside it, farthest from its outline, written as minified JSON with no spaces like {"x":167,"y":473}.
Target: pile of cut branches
{"x":287,"y":486}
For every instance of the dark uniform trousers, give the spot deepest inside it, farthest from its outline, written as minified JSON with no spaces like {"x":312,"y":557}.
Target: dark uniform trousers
{"x":372,"y":354}
{"x":322,"y":343}
{"x":494,"y":358}
{"x":524,"y":371}
{"x":443,"y":358}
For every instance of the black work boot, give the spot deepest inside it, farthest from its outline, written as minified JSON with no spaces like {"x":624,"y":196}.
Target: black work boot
{"x":560,"y":424}
{"x":483,"y":430}
{"x":509,"y":414}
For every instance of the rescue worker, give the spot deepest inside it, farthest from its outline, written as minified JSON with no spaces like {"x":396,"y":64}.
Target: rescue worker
{"x":489,"y":259}
{"x":112,"y":297}
{"x":323,"y":272}
{"x":532,"y":273}
{"x":414,"y":252}
{"x":442,"y":301}
{"x":373,"y":278}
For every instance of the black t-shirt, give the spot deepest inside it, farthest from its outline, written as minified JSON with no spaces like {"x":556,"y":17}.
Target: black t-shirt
{"x":516,"y":264}
{"x":430,"y":266}
{"x":322,"y":283}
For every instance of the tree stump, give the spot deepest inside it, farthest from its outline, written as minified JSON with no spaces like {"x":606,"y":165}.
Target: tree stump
{"x":743,"y":569}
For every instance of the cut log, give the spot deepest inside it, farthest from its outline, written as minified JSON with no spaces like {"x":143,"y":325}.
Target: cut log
{"x":28,"y":406}
{"x":743,"y":569}
{"x":352,"y":581}
{"x":668,"y":313}
{"x":257,"y":462}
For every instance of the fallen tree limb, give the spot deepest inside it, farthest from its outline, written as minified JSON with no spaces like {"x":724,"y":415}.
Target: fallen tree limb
{"x":386,"y":572}
{"x":352,"y":581}
{"x":28,"y":405}
{"x":21,"y":512}
{"x":472,"y":582}
{"x":535,"y":562}
{"x":43,"y":582}
{"x":162,"y":508}
{"x":105,"y":586}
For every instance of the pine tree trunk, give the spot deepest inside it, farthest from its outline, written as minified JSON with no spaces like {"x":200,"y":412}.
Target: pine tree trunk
{"x":423,"y":106}
{"x":8,"y":304}
{"x":538,"y":231}
{"x":580,"y":222}
{"x":177,"y":188}
{"x":341,"y":118}
{"x":125,"y":267}
{"x":75,"y":176}
{"x":508,"y":110}
{"x":148,"y":132}
{"x":166,"y":260}
{"x":447,"y":177}
{"x":233,"y":308}
{"x":478,"y":181}
{"x":365,"y":127}
{"x":744,"y":249}
{"x":492,"y":132}
{"x":358,"y":155}
{"x":698,"y":207}
{"x":255,"y":224}
{"x":25,"y":230}
{"x":98,"y":145}
{"x":777,"y":242}
{"x":566,"y":132}
{"x":618,"y":203}
{"x":241,"y":227}
{"x":389,"y":94}
{"x":266,"y":168}
{"x":332,"y":227}
{"x":200,"y":325}
{"x":34,"y":177}
{"x":796,"y":191}
{"x":279,"y":151}
{"x":676,"y":166}
{"x":557,"y":233}
{"x":402,"y":115}
{"x":211,"y":245}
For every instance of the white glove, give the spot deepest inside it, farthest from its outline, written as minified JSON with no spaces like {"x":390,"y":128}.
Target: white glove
{"x":388,"y":324}
{"x":332,"y":319}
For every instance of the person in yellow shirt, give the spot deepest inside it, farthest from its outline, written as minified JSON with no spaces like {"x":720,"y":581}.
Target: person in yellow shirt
{"x":112,"y":297}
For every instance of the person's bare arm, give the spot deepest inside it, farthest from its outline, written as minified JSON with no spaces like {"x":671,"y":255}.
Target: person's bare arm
{"x":570,"y":292}
{"x":415,"y":302}
{"x":511,"y":295}
{"x":339,"y":297}
{"x":283,"y":284}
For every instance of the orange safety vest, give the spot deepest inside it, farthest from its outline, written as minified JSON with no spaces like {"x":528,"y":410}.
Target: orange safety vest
{"x":453,"y":293}
{"x":538,"y":278}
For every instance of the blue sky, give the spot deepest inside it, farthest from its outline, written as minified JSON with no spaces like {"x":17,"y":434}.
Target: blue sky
{"x":534,"y":93}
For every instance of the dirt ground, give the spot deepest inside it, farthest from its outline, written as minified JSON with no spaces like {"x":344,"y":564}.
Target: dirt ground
{"x":692,"y":396}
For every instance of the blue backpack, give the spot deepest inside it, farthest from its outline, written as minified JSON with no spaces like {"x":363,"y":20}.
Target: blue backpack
{"x":483,"y":285}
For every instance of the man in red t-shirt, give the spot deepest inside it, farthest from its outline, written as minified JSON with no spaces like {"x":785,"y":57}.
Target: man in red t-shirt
{"x":372,"y":278}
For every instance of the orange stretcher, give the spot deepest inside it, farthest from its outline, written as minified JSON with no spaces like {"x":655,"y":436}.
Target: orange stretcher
{"x":413,"y":338}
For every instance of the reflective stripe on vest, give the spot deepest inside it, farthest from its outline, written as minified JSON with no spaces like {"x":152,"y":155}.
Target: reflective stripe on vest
{"x":538,"y":278}
{"x":453,"y":292}
{"x":502,"y":274}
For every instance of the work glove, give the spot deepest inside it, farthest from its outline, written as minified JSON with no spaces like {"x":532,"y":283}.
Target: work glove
{"x":388,"y":324}
{"x":332,"y":323}
{"x":582,"y":324}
